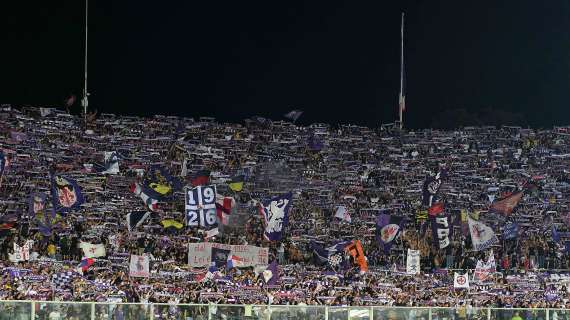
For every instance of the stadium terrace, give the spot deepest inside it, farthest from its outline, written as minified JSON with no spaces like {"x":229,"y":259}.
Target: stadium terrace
{"x":178,"y":210}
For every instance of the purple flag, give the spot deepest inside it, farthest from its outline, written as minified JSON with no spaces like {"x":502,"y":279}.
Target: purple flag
{"x":276,"y":215}
{"x":387,"y":228}
{"x":274,"y":273}
{"x":66,"y":194}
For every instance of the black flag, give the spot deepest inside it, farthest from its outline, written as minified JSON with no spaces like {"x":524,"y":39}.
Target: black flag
{"x":136,"y":218}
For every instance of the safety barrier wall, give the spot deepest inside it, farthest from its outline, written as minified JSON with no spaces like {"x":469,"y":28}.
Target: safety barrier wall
{"x":39,"y":310}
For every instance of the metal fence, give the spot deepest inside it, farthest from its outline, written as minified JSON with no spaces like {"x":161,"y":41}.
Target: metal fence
{"x":53,"y":310}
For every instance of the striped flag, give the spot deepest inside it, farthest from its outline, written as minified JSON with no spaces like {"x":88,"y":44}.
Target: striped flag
{"x":86,"y":263}
{"x":151,"y":203}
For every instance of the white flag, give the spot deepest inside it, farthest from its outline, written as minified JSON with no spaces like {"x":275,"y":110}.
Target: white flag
{"x":45,"y":111}
{"x":491,"y":265}
{"x":293,"y":115}
{"x":481,"y":272}
{"x":482,"y":236}
{"x":92,"y":250}
{"x":184,"y":172}
{"x":139,"y":266}
{"x":413,"y":262}
{"x":21,"y":253}
{"x":342,"y":213}
{"x":212,"y":233}
{"x":267,"y":275}
{"x":111,"y":163}
{"x":461,"y":280}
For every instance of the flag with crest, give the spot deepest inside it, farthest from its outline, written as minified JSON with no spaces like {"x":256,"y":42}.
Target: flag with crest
{"x":431,"y":188}
{"x":275,"y":213}
{"x":482,"y":236}
{"x":332,"y":256}
{"x":388,"y":227}
{"x":38,"y":211}
{"x":271,"y":274}
{"x":66,"y":194}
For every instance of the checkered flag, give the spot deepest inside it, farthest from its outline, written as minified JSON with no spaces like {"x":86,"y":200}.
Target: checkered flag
{"x":335,"y":260}
{"x":63,"y":279}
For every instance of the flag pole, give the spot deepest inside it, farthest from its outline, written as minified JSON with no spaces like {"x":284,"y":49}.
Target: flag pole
{"x":85,"y":102}
{"x":401,"y":103}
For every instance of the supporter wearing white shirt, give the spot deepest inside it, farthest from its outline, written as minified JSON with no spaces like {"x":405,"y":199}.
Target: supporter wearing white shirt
{"x":55,"y":315}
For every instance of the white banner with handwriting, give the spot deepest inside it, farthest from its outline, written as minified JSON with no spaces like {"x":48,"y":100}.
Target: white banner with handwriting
{"x":200,"y":254}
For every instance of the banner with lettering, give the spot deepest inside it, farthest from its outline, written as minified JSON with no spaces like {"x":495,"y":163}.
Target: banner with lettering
{"x":200,"y":254}
{"x":413,"y":262}
{"x":139,"y":266}
{"x":441,"y":230}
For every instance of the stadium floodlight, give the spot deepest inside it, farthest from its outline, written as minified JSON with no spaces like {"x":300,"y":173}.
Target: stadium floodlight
{"x":84,"y":100}
{"x":402,"y":95}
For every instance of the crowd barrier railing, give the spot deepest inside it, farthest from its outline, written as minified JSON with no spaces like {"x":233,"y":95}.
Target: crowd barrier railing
{"x":39,"y":310}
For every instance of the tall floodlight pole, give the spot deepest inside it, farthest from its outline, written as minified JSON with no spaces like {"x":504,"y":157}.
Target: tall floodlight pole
{"x":85,"y":101}
{"x":402,"y":96}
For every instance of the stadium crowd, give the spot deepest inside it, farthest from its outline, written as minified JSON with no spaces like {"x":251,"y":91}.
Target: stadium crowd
{"x":81,"y":196}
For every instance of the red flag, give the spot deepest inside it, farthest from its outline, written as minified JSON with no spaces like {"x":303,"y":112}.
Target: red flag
{"x":86,"y":263}
{"x":435,"y":209}
{"x":355,"y":250}
{"x":224,"y":207}
{"x":201,"y":178}
{"x":507,"y":205}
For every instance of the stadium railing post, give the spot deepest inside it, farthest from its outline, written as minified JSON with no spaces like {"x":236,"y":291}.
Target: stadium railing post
{"x":488,"y":313}
{"x":33,"y":310}
{"x":371,"y":313}
{"x":547,"y":314}
{"x":326,"y":312}
{"x":429,"y":313}
{"x":151,"y":311}
{"x":92,"y":310}
{"x":209,"y":311}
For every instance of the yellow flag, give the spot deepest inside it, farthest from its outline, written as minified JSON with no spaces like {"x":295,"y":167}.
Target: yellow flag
{"x":236,"y":186}
{"x":171,"y":223}
{"x":160,"y":188}
{"x":463,"y":215}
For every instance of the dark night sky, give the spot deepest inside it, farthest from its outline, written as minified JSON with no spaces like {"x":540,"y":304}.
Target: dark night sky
{"x":337,"y":61}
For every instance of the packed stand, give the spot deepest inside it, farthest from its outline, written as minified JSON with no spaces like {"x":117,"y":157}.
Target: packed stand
{"x":364,"y":216}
